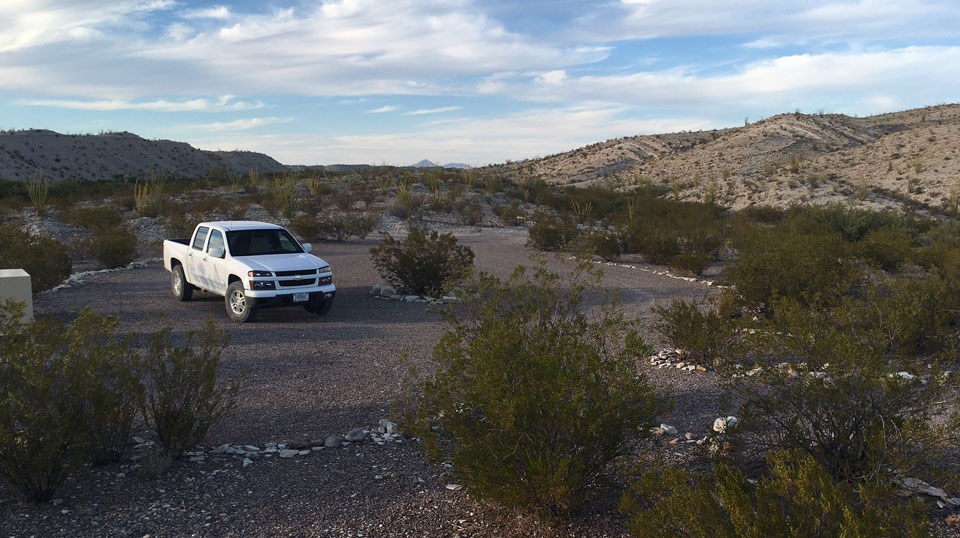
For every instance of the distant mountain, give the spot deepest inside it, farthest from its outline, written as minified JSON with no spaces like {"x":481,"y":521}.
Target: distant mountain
{"x":46,"y":154}
{"x":425,"y":164}
{"x":889,"y":160}
{"x":458,"y":166}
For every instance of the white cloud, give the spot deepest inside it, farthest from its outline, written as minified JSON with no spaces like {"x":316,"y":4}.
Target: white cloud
{"x":214,"y":12}
{"x":220,"y":104}
{"x":383,"y":109}
{"x":439,"y":110}
{"x":240,"y":124}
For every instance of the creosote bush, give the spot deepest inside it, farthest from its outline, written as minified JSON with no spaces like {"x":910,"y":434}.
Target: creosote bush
{"x":113,"y":246}
{"x":66,"y":394}
{"x":533,"y":398}
{"x":184,"y":397}
{"x":426,"y":262}
{"x":44,"y":258}
{"x":798,"y":499}
{"x":552,"y":232}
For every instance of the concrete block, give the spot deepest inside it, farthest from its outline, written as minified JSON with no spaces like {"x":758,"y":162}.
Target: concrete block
{"x":15,"y":284}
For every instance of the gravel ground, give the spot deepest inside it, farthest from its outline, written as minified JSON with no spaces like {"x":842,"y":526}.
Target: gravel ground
{"x":309,"y":377}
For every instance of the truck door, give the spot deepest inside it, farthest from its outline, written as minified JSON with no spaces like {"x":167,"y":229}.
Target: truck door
{"x":196,"y":266}
{"x":216,"y":266}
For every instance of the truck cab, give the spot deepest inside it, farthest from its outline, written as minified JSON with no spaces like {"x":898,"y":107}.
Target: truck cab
{"x":253,"y":265}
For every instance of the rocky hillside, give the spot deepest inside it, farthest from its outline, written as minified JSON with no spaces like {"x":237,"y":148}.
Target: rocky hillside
{"x":45,"y":154}
{"x":910,"y":157}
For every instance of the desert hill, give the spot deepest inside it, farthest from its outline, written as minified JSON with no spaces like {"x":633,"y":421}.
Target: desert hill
{"x":910,"y":157}
{"x":37,"y":153}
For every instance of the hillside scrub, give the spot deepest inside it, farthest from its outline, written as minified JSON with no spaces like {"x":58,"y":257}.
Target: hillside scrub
{"x":44,"y":258}
{"x":533,"y":398}
{"x":797,"y":498}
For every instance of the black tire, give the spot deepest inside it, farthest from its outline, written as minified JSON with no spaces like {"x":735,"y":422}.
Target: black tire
{"x":239,"y":307}
{"x":182,"y":290}
{"x":319,"y":308}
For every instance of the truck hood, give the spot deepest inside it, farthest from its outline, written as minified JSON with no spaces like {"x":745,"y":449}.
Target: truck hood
{"x":282,"y":262}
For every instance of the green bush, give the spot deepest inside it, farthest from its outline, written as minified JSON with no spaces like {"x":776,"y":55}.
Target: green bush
{"x":113,"y":246}
{"x":41,"y":407}
{"x":799,"y":499}
{"x":778,"y":262}
{"x":92,"y":218}
{"x":44,"y":258}
{"x":471,"y":213}
{"x":425,"y":263}
{"x":704,"y":335}
{"x":65,"y":392}
{"x":551,"y":232}
{"x":607,"y":244}
{"x":183,"y":397}
{"x":533,"y":398}
{"x":830,"y":387}
{"x":510,"y":215}
{"x":887,"y":248}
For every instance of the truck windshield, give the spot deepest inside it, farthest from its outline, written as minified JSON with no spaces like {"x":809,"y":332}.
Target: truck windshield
{"x":260,"y":242}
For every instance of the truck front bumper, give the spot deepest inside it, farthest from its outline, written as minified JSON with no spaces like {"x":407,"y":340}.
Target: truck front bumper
{"x":270,"y":299}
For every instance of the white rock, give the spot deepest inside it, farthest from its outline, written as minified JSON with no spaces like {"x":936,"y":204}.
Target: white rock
{"x":668,"y":429}
{"x":247,"y":462}
{"x":454,"y":487}
{"x":221,"y":449}
{"x":332,"y":441}
{"x":355,"y":435}
{"x":723,"y":424}
{"x":386,"y":426}
{"x":288,"y":453}
{"x":303,"y":452}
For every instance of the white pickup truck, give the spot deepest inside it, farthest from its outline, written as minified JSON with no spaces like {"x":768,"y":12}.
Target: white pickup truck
{"x":252,"y":265}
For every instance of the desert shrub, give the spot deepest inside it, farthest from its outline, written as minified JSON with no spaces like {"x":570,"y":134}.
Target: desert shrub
{"x":704,"y":334}
{"x":607,"y":244}
{"x":283,"y":199}
{"x":65,"y":392}
{"x":854,"y":224}
{"x":471,"y":213}
{"x":44,"y":258}
{"x":694,"y":262}
{"x":113,"y":246}
{"x":180,"y":225}
{"x":779,"y":262}
{"x":510,"y":215}
{"x":830,"y":388}
{"x":798,"y":499}
{"x":408,"y":202}
{"x":362,"y":224}
{"x":111,"y":385}
{"x":552,"y":232}
{"x":307,"y":226}
{"x":887,"y":248}
{"x":532,"y":397}
{"x":92,"y":218}
{"x":426,"y":262}
{"x":183,"y":397}
{"x":41,"y":409}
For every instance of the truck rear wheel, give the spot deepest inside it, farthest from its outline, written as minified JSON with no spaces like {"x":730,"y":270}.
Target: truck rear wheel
{"x":182,"y":290}
{"x":239,"y":307}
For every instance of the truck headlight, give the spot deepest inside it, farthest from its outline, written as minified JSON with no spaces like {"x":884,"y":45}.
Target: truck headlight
{"x":260,"y":284}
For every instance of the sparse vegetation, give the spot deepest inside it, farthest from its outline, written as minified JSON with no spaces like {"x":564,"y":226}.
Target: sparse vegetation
{"x":532,"y":398}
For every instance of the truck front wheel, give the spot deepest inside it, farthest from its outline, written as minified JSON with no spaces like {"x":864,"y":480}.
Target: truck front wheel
{"x":182,"y":290}
{"x":239,"y":308}
{"x":318,"y":307}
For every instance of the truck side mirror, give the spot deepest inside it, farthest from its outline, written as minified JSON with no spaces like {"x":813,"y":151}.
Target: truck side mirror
{"x":307,"y":247}
{"x":215,"y":252}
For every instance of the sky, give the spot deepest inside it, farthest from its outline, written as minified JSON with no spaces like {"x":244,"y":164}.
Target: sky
{"x":475,"y":82}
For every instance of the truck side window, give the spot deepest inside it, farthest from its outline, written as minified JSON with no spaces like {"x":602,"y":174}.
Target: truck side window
{"x":201,"y":236}
{"x":216,"y":240}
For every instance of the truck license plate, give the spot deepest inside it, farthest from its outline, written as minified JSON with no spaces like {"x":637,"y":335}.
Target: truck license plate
{"x":301,"y":297}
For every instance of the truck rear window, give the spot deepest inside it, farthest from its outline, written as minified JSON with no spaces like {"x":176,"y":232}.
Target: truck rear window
{"x":260,"y":242}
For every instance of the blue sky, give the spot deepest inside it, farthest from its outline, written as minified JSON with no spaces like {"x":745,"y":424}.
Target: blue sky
{"x":396,"y":81}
